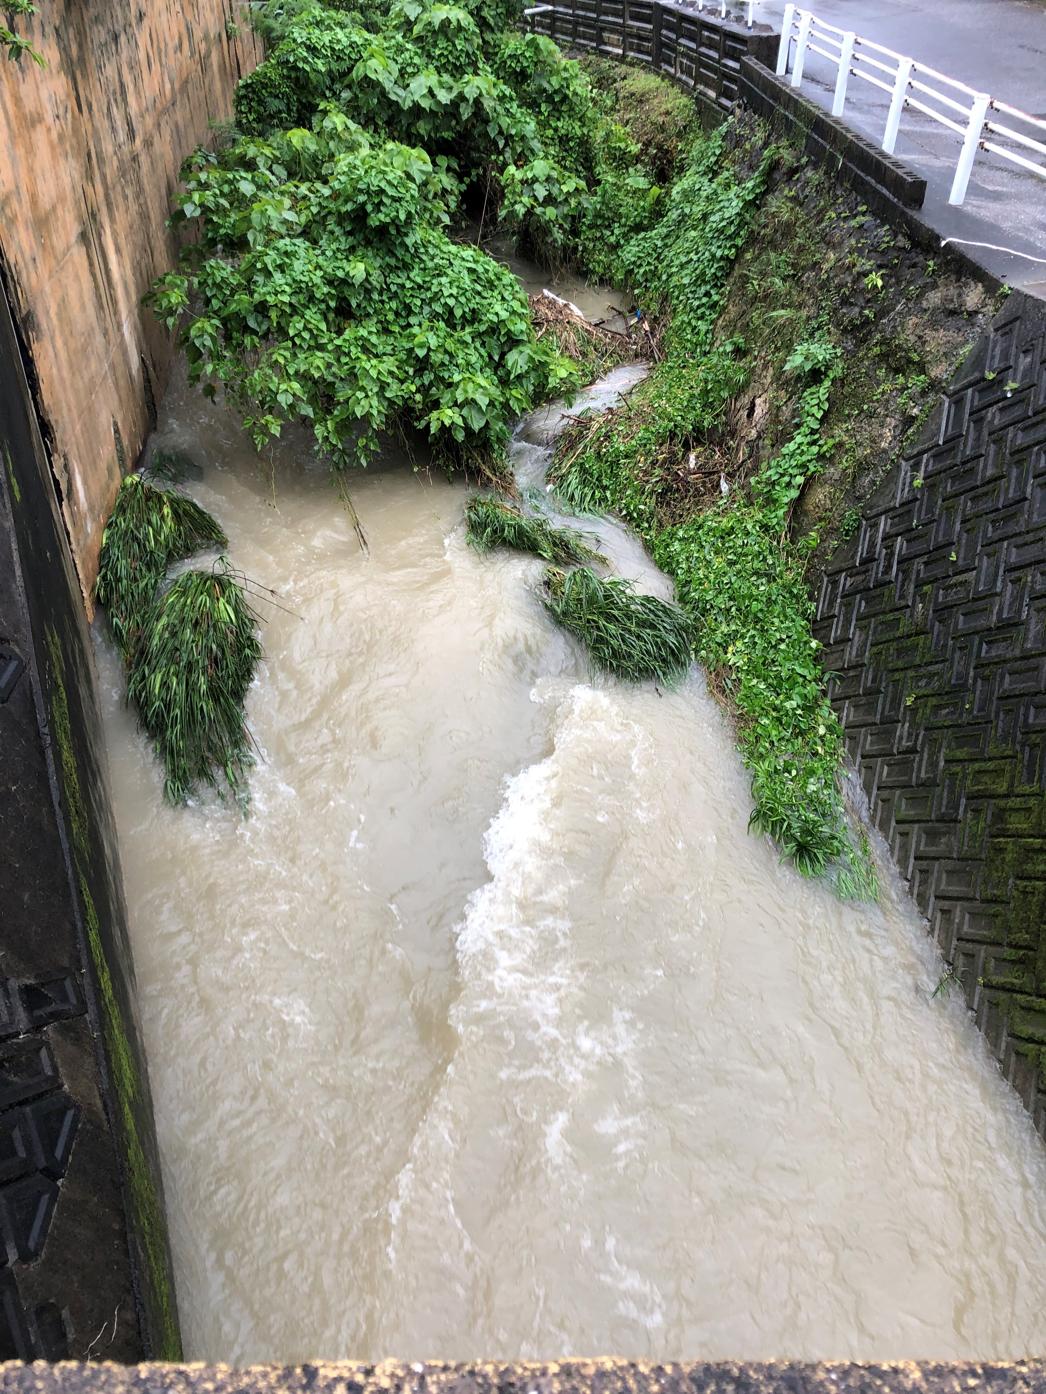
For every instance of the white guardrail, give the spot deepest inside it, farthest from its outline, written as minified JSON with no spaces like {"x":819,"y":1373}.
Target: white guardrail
{"x":970,"y":114}
{"x":720,"y":6}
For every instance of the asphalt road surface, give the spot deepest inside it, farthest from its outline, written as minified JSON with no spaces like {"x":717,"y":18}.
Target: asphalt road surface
{"x":995,"y":46}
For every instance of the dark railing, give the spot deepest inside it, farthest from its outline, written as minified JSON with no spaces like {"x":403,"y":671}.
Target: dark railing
{"x":701,"y":51}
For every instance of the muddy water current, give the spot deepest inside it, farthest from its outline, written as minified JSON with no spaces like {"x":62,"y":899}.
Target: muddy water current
{"x":492,"y":1032}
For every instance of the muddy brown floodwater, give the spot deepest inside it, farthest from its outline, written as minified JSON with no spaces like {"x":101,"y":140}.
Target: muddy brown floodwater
{"x":491,"y":1032}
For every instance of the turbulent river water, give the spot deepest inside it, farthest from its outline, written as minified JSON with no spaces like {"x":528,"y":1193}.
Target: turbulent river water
{"x":491,"y":1032}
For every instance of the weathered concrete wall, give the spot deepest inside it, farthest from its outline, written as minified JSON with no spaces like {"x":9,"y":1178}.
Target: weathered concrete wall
{"x":84,"y":1267}
{"x":92,"y":147}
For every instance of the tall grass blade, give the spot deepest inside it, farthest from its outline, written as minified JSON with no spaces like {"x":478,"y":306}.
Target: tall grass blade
{"x":189,"y":679}
{"x":631,"y":635}
{"x":490,"y":523}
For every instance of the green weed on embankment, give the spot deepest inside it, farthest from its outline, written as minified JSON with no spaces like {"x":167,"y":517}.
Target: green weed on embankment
{"x":657,"y":462}
{"x":803,"y":343}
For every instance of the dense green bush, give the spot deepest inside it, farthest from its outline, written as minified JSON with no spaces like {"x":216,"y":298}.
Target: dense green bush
{"x":325,"y":288}
{"x":327,"y":283}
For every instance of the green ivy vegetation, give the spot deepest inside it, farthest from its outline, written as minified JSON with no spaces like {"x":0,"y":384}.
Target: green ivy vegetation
{"x":661,"y":460}
{"x":334,"y":278}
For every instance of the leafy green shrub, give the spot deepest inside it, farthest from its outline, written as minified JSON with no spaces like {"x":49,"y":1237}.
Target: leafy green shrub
{"x":491,"y":523}
{"x":657,"y":116}
{"x":189,"y":681}
{"x":148,"y":529}
{"x":323,"y":286}
{"x":631,"y":635}
{"x":325,"y":289}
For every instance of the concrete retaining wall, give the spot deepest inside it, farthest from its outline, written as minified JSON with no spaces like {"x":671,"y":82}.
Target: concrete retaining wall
{"x":84,"y":1267}
{"x":92,"y":147}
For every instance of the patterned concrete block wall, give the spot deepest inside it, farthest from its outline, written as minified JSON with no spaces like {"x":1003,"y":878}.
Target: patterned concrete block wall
{"x":934,"y":618}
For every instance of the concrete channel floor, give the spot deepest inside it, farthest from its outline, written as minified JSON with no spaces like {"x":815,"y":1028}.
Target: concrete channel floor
{"x":994,"y":46}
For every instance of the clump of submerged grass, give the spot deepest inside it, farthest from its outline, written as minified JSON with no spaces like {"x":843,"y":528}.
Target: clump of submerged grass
{"x":631,"y":635}
{"x":491,"y":523}
{"x":148,"y":529}
{"x":189,"y":679}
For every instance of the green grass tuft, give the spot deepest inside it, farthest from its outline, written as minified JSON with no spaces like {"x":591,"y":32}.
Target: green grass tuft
{"x":148,"y":529}
{"x":190,"y":677}
{"x":491,"y":523}
{"x":631,"y":635}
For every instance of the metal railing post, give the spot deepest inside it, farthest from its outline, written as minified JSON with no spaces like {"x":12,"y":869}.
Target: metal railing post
{"x":845,"y":59}
{"x":786,"y":40}
{"x":900,"y":92}
{"x":801,"y":39}
{"x":751,"y":8}
{"x":971,"y":141}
